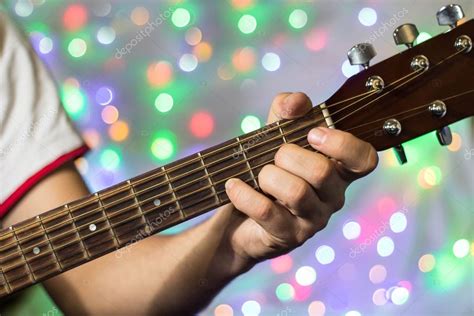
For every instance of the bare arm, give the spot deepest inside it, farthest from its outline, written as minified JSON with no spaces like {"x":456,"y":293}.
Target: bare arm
{"x":180,"y":274}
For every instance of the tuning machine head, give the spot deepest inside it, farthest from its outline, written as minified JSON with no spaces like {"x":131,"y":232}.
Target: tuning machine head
{"x":406,"y":34}
{"x":450,"y":15}
{"x":361,"y":54}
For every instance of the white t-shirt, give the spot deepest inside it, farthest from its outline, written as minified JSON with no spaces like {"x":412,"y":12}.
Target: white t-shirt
{"x":36,"y":136}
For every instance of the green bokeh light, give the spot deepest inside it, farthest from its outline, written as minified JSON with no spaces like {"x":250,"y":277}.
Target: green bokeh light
{"x":110,"y":158}
{"x":73,"y":100}
{"x":250,"y":123}
{"x":285,"y":292}
{"x":163,"y":146}
{"x":181,"y":17}
{"x":449,"y":273}
{"x":77,"y":47}
{"x":247,"y":24}
{"x":298,"y":19}
{"x":164,"y":102}
{"x":423,"y":36}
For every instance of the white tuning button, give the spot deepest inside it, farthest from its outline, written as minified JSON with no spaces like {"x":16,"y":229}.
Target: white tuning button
{"x":405,"y":34}
{"x":361,"y":54}
{"x":450,"y":15}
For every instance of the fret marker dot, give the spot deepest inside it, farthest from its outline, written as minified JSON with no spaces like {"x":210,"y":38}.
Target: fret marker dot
{"x":36,"y":250}
{"x":157,"y":202}
{"x":92,"y":227}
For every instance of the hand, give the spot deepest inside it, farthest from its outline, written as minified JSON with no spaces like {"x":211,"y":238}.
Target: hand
{"x":307,"y":187}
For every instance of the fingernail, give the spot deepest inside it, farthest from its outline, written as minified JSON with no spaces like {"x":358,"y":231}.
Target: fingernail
{"x":317,"y":136}
{"x":230,"y":183}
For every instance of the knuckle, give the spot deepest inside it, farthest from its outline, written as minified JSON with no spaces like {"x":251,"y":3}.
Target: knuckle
{"x":321,"y":173}
{"x":263,"y":211}
{"x":300,"y":191}
{"x":284,"y":153}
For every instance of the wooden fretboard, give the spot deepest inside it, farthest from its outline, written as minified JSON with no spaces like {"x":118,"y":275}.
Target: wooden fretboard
{"x":73,"y":234}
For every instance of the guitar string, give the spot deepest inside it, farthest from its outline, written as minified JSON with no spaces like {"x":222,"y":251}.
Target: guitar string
{"x":141,"y":203}
{"x":128,"y":220}
{"x":376,"y":99}
{"x":9,"y":268}
{"x":276,"y":127}
{"x":109,"y":194}
{"x":196,"y":180}
{"x":411,"y":110}
{"x":14,"y":266}
{"x":341,"y":109}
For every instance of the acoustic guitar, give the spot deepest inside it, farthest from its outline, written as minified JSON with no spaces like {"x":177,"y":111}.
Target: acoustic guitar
{"x":424,"y":88}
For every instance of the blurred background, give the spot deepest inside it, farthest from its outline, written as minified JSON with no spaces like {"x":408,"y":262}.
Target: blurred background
{"x":148,"y":82}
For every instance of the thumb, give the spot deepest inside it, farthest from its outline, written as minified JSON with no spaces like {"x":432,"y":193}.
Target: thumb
{"x":289,"y":106}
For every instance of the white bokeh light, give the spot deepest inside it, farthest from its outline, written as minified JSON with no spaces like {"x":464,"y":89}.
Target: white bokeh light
{"x":45,"y":45}
{"x":188,"y":62}
{"x":367,"y":16}
{"x":385,"y":246}
{"x":399,"y":295}
{"x":398,"y":222}
{"x":325,"y":254}
{"x":251,"y":308}
{"x":461,"y":248}
{"x":271,"y":62}
{"x":305,"y":276}
{"x":351,"y":230}
{"x":348,"y":70}
{"x":106,"y":35}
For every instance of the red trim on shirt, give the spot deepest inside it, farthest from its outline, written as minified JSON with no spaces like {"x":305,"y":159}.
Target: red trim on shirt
{"x":38,"y":176}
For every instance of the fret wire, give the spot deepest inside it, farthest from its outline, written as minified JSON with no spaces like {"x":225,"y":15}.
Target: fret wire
{"x":131,"y":187}
{"x":281,"y":132}
{"x":17,"y":238}
{"x":231,"y":166}
{"x":114,"y":237}
{"x":8,"y":287}
{"x":209,"y":178}
{"x":50,"y":243}
{"x":113,"y":192}
{"x":23,"y":255}
{"x":285,"y":123}
{"x":247,"y":162}
{"x":134,"y":217}
{"x":181,"y":211}
{"x":269,"y":140}
{"x":78,"y":233}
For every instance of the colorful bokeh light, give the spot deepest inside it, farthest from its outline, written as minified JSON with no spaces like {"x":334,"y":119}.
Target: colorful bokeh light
{"x":247,"y":24}
{"x":250,"y":123}
{"x":77,"y":47}
{"x":160,"y":74}
{"x":298,"y":19}
{"x":164,"y":102}
{"x":181,"y":17}
{"x":75,"y":17}
{"x":201,"y":124}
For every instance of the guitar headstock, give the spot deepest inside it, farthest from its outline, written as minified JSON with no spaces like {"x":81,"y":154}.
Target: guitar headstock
{"x":424,"y":88}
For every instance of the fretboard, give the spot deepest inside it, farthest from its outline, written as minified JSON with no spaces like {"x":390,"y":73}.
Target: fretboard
{"x":73,"y":234}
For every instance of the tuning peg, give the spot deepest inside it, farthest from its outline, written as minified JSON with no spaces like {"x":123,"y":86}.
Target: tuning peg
{"x":400,"y":153}
{"x":444,"y":135}
{"x":405,"y":34}
{"x":450,"y":15}
{"x":361,"y":54}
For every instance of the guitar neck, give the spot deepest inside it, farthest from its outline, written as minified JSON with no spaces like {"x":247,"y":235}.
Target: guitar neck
{"x":75,"y":233}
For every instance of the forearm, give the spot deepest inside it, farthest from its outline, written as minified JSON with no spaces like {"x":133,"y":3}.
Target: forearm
{"x":160,"y":275}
